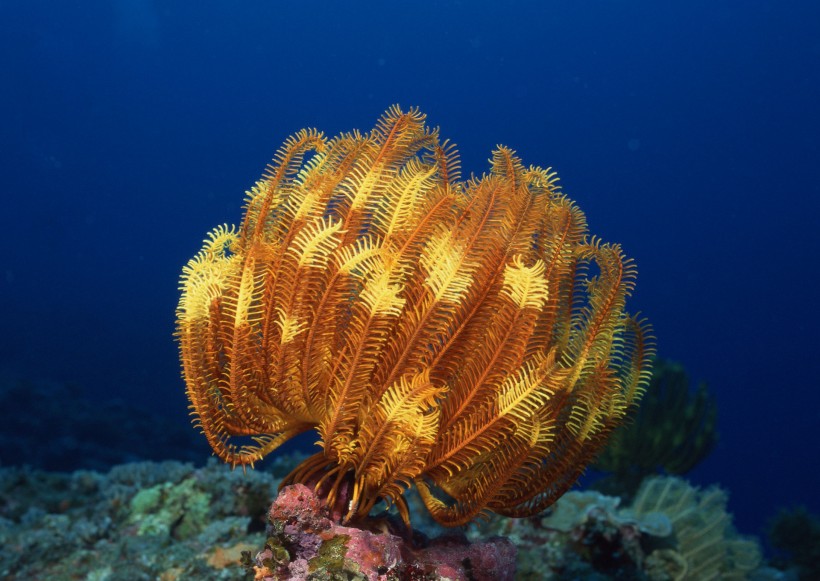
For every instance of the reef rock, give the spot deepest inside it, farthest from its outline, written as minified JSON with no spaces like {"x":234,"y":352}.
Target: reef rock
{"x":305,"y":542}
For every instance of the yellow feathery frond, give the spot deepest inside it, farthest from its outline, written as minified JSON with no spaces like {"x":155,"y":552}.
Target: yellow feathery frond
{"x":205,"y":276}
{"x":404,"y":196}
{"x":271,"y":190}
{"x":382,"y":296}
{"x":585,"y":419}
{"x":365,"y":250}
{"x":523,"y":393}
{"x":220,"y":241}
{"x":366,"y":183}
{"x":408,"y":397}
{"x":315,"y":243}
{"x":288,"y":325}
{"x":442,"y":258}
{"x":244,"y":297}
{"x":526,"y":286}
{"x":305,"y":204}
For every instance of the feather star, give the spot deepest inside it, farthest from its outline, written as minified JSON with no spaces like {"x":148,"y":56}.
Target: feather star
{"x":466,"y":337}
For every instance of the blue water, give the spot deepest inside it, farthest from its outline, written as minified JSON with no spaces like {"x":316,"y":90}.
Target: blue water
{"x":689,"y":132}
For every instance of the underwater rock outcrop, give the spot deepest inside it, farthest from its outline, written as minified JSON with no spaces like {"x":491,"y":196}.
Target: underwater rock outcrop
{"x":305,"y":542}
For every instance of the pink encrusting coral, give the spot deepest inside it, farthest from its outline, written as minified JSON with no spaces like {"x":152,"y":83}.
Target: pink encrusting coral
{"x":304,"y":540}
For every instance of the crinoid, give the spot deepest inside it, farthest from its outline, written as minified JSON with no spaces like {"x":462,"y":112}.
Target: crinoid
{"x":468,"y":337}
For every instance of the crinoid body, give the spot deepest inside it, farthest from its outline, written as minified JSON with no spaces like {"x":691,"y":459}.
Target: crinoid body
{"x":468,"y":337}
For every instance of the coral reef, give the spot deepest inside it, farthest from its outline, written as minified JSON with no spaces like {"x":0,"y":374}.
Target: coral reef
{"x":673,"y":430}
{"x":138,"y":521}
{"x":169,"y":521}
{"x":468,"y":338}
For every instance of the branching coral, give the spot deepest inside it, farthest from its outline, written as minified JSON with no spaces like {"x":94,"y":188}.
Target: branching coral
{"x":466,"y":337}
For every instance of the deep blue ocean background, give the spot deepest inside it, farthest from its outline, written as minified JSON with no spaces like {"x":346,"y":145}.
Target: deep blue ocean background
{"x":688,"y":131}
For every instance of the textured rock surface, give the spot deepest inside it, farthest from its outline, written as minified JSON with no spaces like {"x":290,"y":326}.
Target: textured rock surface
{"x":304,"y":542}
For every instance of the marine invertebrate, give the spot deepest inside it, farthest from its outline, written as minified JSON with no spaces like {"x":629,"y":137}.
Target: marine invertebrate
{"x":466,"y":337}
